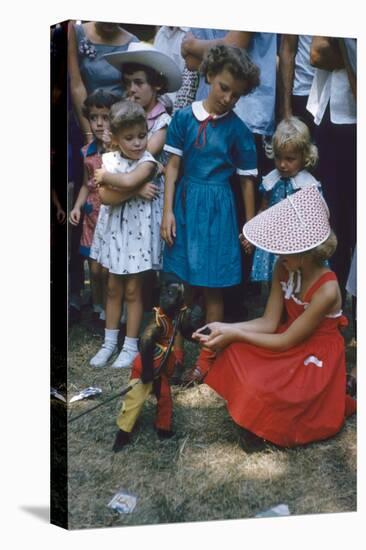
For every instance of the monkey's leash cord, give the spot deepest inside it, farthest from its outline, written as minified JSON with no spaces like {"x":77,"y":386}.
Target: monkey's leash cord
{"x":122,"y":392}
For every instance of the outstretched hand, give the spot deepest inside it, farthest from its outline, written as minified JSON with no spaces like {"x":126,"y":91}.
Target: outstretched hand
{"x":216,"y":335}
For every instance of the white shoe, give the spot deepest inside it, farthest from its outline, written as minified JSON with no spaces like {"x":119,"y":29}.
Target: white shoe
{"x":102,"y":357}
{"x":125,"y":358}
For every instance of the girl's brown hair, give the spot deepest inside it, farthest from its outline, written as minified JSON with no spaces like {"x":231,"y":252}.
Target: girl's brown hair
{"x":155,"y":79}
{"x":126,"y":113}
{"x":234,"y":60}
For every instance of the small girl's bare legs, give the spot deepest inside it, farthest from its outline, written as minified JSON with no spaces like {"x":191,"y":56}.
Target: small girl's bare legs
{"x":115,"y":291}
{"x":135,"y":311}
{"x":98,"y":283}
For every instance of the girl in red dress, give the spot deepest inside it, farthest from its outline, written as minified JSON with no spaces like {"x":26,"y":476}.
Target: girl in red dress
{"x":285,"y":381}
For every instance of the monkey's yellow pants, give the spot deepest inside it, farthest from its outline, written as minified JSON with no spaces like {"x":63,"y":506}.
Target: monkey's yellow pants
{"x":134,"y":400}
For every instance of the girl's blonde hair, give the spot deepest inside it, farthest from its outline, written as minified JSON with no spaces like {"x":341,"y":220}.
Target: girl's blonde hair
{"x":294,"y":133}
{"x":126,"y":113}
{"x":324,"y":251}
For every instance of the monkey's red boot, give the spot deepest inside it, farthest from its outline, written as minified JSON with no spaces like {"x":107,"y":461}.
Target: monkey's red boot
{"x":203,"y":364}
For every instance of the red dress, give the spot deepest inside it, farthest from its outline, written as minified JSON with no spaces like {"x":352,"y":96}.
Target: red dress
{"x":288,"y":397}
{"x":92,"y":161}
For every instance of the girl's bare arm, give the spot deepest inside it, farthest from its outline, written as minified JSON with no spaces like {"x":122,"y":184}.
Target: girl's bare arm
{"x":269,"y":321}
{"x":247,"y":191}
{"x":156,"y":142}
{"x":322,"y":303}
{"x":129,"y":182}
{"x":114,"y":197}
{"x":84,"y":191}
{"x":168,"y":226}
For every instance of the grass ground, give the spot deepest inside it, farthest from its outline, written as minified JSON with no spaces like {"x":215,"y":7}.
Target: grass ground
{"x":200,"y":474}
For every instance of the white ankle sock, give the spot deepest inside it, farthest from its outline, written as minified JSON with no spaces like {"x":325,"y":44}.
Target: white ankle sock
{"x":130,"y":343}
{"x":110,"y":338}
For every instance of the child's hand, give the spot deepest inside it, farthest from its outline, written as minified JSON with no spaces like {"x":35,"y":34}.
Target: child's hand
{"x":99,"y":175}
{"x":220,"y":336}
{"x":149,"y":191}
{"x":248,"y":247}
{"x":168,"y":228}
{"x":160,"y":170}
{"x":75,"y":215}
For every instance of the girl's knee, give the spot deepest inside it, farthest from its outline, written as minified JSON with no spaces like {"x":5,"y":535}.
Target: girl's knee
{"x":115,"y":286}
{"x":133,"y":289}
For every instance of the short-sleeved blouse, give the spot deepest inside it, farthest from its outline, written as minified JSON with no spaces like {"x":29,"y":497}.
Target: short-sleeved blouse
{"x":95,"y":71}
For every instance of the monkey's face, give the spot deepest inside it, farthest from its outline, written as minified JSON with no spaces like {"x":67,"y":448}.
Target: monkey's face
{"x":171,"y":298}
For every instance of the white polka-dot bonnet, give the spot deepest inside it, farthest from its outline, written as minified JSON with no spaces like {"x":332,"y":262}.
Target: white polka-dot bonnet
{"x":296,"y":224}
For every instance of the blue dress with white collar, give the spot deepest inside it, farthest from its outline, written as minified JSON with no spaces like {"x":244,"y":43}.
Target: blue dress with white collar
{"x":206,"y":250}
{"x":276,"y":189}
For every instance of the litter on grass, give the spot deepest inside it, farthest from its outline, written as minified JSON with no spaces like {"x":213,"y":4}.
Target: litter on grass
{"x":123,"y":503}
{"x":275,"y":511}
{"x":85,"y":394}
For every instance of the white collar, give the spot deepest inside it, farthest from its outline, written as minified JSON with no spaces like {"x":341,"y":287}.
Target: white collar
{"x":200,"y":112}
{"x":301,"y":180}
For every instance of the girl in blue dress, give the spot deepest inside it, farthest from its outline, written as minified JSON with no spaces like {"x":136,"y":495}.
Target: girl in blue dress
{"x":293,"y":153}
{"x":208,"y":144}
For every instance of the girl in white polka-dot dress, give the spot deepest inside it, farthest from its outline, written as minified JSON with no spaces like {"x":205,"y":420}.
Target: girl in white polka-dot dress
{"x":129,"y":243}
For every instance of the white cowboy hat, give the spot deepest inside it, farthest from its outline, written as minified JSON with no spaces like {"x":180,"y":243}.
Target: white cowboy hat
{"x":144,"y":54}
{"x":296,"y":224}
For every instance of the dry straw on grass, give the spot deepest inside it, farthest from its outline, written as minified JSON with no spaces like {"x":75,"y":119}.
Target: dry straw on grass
{"x":202,"y":473}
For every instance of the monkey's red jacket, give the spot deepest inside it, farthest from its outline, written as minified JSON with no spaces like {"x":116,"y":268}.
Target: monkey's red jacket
{"x":161,"y":386}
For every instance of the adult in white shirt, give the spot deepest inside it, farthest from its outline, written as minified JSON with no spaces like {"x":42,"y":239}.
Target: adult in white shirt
{"x":332,"y":103}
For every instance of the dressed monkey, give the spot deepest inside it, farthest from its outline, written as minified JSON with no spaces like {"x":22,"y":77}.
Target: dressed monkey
{"x":148,"y":375}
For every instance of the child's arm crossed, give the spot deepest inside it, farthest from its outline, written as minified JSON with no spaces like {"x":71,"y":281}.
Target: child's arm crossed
{"x":116,"y":188}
